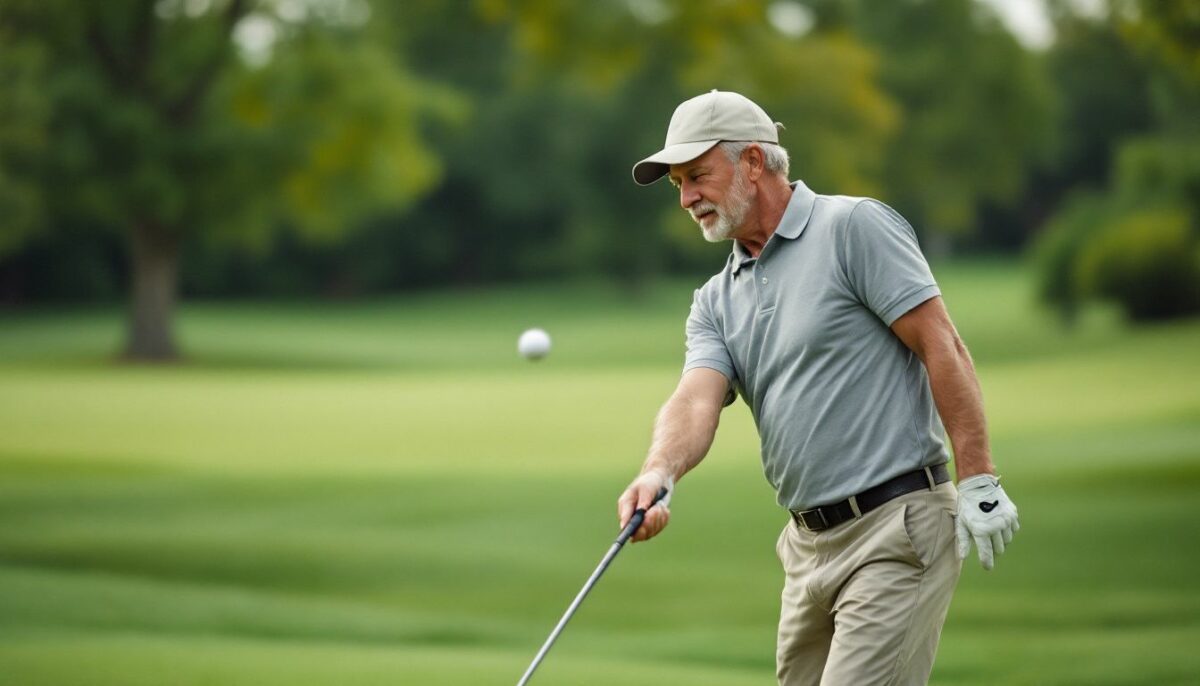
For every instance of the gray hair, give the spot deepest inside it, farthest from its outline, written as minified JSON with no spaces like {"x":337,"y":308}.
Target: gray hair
{"x":776,"y":157}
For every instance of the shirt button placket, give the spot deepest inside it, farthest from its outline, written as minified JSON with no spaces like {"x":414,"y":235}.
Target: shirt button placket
{"x":763,"y":297}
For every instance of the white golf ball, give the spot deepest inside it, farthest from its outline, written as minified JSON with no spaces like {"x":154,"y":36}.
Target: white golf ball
{"x":534,"y":344}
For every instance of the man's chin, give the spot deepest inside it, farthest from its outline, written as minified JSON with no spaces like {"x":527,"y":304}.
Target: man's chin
{"x":716,"y":234}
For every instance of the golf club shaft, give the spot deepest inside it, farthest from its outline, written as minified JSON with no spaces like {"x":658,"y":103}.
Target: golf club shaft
{"x":630,"y":529}
{"x":562,"y":623}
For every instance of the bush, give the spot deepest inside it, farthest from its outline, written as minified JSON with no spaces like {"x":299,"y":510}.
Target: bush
{"x":1135,"y":244}
{"x":1148,"y":261}
{"x":1058,"y":247}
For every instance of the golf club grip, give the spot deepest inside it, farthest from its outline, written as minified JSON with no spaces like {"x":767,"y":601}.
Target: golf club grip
{"x":639,"y":515}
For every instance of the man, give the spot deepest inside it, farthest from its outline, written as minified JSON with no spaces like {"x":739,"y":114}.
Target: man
{"x":828,"y":322}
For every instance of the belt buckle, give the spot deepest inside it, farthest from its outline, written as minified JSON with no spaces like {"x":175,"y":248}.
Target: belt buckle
{"x":820,"y":513}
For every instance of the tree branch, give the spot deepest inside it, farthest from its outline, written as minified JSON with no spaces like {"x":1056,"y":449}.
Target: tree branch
{"x":109,"y":61}
{"x":125,"y":73}
{"x":183,"y":109}
{"x":144,"y":32}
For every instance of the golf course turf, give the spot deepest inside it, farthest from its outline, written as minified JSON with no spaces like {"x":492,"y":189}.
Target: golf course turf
{"x":383,"y":492}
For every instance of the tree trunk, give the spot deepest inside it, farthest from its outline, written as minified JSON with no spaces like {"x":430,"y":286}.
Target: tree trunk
{"x":155,"y":253}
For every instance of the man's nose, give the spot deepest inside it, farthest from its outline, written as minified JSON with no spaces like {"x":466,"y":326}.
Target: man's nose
{"x":688,"y":195}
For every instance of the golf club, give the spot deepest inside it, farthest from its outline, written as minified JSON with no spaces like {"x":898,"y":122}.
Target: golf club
{"x":634,"y":522}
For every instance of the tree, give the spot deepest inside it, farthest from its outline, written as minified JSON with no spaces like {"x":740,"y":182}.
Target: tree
{"x":976,"y":107}
{"x":568,"y":95}
{"x":164,"y":119}
{"x":1138,"y":244}
{"x":1105,"y":93}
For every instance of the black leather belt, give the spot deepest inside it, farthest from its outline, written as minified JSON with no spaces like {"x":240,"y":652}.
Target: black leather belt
{"x":829,"y":516}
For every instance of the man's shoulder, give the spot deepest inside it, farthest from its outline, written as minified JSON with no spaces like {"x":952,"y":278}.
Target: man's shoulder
{"x":839,"y":208}
{"x":714,"y":282}
{"x":838,"y":215}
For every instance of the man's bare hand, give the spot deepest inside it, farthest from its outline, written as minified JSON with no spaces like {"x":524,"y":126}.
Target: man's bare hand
{"x":639,"y":495}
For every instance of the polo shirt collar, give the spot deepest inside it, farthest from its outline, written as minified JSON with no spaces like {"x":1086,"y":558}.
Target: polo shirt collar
{"x":791,"y":224}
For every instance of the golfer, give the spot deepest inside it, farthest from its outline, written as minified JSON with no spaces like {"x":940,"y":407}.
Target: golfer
{"x":828,"y":323}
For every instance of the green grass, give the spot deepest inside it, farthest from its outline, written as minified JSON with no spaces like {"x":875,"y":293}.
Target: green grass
{"x":381,"y":492}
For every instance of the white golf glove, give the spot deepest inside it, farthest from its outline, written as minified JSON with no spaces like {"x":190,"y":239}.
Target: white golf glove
{"x":985,"y":514}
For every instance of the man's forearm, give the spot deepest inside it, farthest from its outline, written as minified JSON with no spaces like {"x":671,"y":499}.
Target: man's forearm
{"x":683,"y":433}
{"x":960,"y":404}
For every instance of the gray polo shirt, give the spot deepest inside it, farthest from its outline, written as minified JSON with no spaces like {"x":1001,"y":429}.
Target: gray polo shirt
{"x":802,"y":332}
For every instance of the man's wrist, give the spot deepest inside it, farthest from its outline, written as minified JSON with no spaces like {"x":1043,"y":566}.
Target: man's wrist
{"x":967,"y":469}
{"x":981,"y":480}
{"x":665,"y":473}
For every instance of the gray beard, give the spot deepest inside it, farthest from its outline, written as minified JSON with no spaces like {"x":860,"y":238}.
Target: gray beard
{"x":731,"y":213}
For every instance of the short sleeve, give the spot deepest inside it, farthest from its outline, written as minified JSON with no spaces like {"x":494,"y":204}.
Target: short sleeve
{"x":706,"y":346}
{"x":883,"y":262}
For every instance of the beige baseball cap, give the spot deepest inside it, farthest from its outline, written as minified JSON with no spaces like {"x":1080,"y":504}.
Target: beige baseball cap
{"x":702,"y":122}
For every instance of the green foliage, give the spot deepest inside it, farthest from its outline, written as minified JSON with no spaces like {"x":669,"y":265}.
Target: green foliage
{"x":1166,"y":34}
{"x":976,"y":110}
{"x":1148,"y":261}
{"x":342,"y":129}
{"x":150,"y":112}
{"x":367,"y":147}
{"x":1137,"y":244}
{"x":568,"y":95}
{"x":1104,"y":90}
{"x":169,"y":120}
{"x":1170,"y":29}
{"x":24,"y":111}
{"x":1164,"y":168}
{"x":1056,"y":250}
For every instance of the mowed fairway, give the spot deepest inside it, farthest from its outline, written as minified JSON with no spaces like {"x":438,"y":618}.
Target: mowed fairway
{"x":382,"y":493}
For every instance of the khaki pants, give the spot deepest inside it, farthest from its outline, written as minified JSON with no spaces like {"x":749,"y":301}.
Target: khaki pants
{"x":864,"y":602}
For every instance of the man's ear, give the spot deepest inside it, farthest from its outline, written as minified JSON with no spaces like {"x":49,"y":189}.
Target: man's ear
{"x":756,"y":159}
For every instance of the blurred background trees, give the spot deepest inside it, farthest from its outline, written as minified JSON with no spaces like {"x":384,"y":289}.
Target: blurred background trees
{"x":167,"y":121}
{"x":342,"y":147}
{"x":1130,"y":230}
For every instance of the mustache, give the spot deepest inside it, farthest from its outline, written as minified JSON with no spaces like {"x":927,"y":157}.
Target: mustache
{"x":701,"y":208}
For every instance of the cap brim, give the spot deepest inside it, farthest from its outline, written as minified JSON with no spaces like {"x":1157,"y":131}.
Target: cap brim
{"x":657,"y":165}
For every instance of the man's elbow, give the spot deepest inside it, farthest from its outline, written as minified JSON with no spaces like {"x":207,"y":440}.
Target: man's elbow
{"x":946,"y":351}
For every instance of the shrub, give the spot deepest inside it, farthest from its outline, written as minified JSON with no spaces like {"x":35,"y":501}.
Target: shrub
{"x":1058,"y":247}
{"x":1148,"y":261}
{"x":1135,"y":244}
